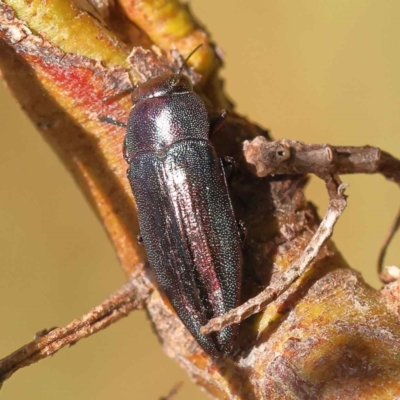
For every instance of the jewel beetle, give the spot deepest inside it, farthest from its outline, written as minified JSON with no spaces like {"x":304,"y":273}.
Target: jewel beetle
{"x":186,"y":220}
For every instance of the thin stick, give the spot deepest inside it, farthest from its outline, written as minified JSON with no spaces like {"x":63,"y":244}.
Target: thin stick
{"x":173,"y":392}
{"x":293,"y":157}
{"x":386,"y":277}
{"x":47,"y":343}
{"x":336,"y":207}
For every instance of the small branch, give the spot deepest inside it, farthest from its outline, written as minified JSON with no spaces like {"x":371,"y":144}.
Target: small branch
{"x":336,"y":207}
{"x":387,"y":277}
{"x":46,"y":343}
{"x":173,"y":392}
{"x":293,"y":157}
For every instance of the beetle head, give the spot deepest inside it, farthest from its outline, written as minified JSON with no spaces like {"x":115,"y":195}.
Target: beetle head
{"x":162,"y":86}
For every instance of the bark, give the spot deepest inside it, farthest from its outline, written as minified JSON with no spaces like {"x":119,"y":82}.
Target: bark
{"x":330,"y":335}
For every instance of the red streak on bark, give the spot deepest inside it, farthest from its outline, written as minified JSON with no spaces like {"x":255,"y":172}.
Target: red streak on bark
{"x":85,"y":85}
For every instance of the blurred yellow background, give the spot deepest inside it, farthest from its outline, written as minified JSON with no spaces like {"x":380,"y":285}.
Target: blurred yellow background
{"x":323,"y":71}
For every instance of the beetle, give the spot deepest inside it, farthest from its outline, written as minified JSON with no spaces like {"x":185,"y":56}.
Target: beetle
{"x":186,"y":220}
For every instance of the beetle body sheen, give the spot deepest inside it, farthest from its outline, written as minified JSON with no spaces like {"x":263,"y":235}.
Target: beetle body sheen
{"x":186,"y":219}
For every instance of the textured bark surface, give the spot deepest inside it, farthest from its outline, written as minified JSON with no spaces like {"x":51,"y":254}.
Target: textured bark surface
{"x":330,"y":335}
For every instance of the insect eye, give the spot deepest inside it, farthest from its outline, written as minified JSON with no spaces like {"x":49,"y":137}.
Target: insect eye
{"x":180,"y":83}
{"x":174,"y":81}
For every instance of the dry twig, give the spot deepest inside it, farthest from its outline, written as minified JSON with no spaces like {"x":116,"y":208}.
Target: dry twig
{"x":387,"y":276}
{"x":173,"y":392}
{"x":49,"y":342}
{"x":336,"y":207}
{"x":293,"y":157}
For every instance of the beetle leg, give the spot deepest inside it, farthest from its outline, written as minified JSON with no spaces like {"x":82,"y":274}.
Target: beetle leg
{"x":229,"y":165}
{"x":229,"y":161}
{"x":112,"y":121}
{"x":242,"y":231}
{"x":139,"y":239}
{"x":119,"y":95}
{"x":216,"y":123}
{"x":125,"y":155}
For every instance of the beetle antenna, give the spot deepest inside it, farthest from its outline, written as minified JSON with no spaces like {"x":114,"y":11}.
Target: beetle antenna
{"x":118,"y":96}
{"x":187,"y":58}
